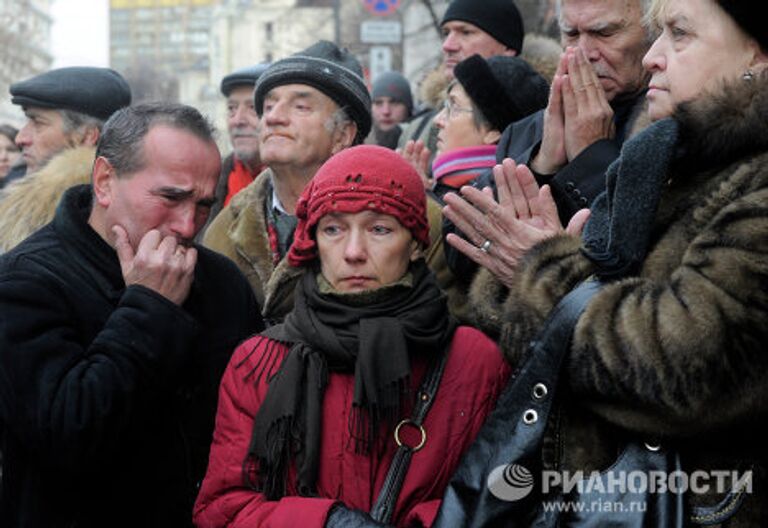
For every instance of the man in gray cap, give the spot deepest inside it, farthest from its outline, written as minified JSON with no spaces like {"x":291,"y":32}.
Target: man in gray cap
{"x":66,"y":109}
{"x":243,"y":164}
{"x":312,"y":105}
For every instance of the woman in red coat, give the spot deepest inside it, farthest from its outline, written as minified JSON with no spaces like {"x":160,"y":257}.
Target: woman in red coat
{"x":307,"y":410}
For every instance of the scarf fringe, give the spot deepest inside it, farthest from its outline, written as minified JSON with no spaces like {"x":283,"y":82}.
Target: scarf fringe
{"x":267,"y":474}
{"x":367,"y":420}
{"x":267,"y":363}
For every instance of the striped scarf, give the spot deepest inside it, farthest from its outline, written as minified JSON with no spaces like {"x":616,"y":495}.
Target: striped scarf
{"x":459,"y":166}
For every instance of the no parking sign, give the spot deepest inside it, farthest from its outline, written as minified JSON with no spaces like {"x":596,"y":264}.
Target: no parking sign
{"x":381,"y":7}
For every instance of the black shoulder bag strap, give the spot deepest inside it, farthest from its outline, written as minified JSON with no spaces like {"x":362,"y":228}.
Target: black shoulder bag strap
{"x":514,"y":430}
{"x":385,"y":503}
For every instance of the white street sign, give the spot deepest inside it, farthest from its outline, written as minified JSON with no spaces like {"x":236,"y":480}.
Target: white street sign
{"x":380,"y":32}
{"x":381,"y":60}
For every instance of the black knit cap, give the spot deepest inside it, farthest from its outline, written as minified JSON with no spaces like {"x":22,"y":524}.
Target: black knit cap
{"x":499,"y":18}
{"x":97,"y":92}
{"x":333,"y":71}
{"x":242,"y":77}
{"x":505,"y":89}
{"x":750,"y":16}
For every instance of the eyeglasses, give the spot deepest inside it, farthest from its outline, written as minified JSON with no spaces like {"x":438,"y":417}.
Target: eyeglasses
{"x":451,"y":109}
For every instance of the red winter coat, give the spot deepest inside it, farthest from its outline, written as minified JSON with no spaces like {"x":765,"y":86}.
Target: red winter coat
{"x":474,"y":376}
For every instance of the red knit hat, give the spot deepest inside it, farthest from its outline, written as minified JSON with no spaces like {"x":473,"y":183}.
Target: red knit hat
{"x":361,"y":178}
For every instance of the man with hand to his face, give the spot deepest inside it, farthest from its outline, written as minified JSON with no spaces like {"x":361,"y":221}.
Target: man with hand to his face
{"x":597,"y":95}
{"x":116,"y":331}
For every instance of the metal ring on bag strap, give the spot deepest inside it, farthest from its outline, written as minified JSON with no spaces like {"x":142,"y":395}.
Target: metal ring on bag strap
{"x":420,"y":427}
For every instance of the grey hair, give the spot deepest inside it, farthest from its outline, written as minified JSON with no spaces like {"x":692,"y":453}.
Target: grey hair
{"x":479,"y":120}
{"x":122,"y":139}
{"x":656,"y":11}
{"x":74,"y":121}
{"x":338,"y":120}
{"x":645,"y":10}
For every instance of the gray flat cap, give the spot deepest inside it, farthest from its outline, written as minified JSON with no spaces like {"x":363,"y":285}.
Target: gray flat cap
{"x":97,"y":92}
{"x":242,"y":77}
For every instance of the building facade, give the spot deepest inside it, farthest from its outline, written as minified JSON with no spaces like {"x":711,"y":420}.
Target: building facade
{"x":154,"y":42}
{"x":25,"y":48}
{"x":247,"y":32}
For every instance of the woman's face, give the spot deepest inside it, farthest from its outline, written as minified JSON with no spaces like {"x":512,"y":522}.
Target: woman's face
{"x":699,"y":49}
{"x":456,"y":123}
{"x":363,"y":251}
{"x":9,"y":154}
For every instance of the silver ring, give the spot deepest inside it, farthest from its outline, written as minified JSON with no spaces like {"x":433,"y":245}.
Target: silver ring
{"x":485,"y":246}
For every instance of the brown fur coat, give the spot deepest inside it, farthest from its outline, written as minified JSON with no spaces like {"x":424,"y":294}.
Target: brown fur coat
{"x":678,"y":351}
{"x":30,"y":202}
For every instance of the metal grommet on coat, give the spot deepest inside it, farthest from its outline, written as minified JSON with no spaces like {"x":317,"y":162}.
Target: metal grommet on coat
{"x":540,"y":391}
{"x":530,"y":417}
{"x":652,"y":447}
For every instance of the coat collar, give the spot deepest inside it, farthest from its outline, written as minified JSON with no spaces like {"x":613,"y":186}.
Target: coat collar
{"x":71,"y":223}
{"x":30,"y":202}
{"x":248,"y":233}
{"x":720,"y":129}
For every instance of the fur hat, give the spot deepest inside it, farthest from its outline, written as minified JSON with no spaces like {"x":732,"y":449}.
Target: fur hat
{"x":505,"y":89}
{"x":749,"y":15}
{"x":395,"y":85}
{"x":362,"y":178}
{"x":242,"y":77}
{"x":499,"y":18}
{"x":333,"y":71}
{"x":97,"y":92}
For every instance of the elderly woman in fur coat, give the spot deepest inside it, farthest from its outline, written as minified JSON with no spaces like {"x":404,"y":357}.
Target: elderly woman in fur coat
{"x":673,"y":346}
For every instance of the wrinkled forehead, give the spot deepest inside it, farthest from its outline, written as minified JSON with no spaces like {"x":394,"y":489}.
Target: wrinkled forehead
{"x":292,"y":92}
{"x":596,"y":13}
{"x":241,"y":92}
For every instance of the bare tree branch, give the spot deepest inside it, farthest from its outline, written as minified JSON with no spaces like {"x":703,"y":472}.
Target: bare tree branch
{"x":435,"y":20}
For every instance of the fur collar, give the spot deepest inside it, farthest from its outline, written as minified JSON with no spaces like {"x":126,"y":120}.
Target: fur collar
{"x":248,"y":233}
{"x":725,"y":127}
{"x":432,"y":88}
{"x":30,"y":202}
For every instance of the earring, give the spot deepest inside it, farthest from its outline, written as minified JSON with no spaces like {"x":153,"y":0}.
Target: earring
{"x":748,"y":76}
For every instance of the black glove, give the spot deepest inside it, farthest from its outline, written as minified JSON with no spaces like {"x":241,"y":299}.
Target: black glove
{"x":343,"y":517}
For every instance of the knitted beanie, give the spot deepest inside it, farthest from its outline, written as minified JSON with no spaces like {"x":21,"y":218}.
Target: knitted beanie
{"x":750,"y":17}
{"x":499,"y":18}
{"x":242,"y":77}
{"x":362,"y":178}
{"x":395,"y":85}
{"x":333,"y":71}
{"x":505,"y":89}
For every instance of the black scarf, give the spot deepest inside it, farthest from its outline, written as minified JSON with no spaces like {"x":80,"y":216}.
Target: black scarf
{"x":327,"y":332}
{"x":618,"y":232}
